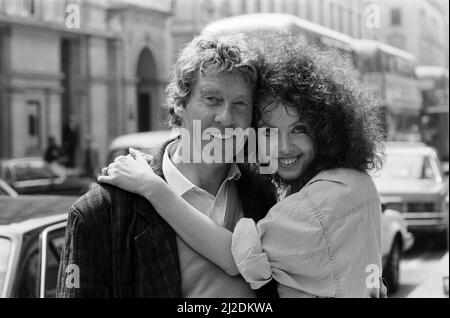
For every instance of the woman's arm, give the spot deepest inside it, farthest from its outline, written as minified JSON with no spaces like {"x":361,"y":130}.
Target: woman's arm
{"x":132,"y":173}
{"x":195,"y":228}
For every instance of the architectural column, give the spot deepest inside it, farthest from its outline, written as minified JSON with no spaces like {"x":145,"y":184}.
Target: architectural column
{"x":5,"y":103}
{"x":116,"y":100}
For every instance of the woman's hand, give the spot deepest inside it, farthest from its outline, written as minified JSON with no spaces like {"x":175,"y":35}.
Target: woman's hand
{"x":131,"y":173}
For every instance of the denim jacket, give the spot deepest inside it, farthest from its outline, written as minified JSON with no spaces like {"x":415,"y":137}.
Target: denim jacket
{"x":323,"y":241}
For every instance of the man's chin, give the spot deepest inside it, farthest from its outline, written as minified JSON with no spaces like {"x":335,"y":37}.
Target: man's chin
{"x":228,"y":147}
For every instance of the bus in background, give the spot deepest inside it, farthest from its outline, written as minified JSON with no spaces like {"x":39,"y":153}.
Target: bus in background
{"x":390,"y":73}
{"x":434,"y":121}
{"x":261,"y":23}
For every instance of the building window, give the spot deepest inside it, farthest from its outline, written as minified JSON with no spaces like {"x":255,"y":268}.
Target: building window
{"x":286,"y":7}
{"x":321,"y":10}
{"x":331,"y":15}
{"x":30,"y":8}
{"x":33,"y":8}
{"x":296,"y":8}
{"x":422,"y":13}
{"x":243,"y":6}
{"x":350,"y":22}
{"x":258,"y":6}
{"x":33,"y":138}
{"x":309,"y":16}
{"x":225,"y":9}
{"x":271,"y":6}
{"x":396,"y":16}
{"x":207,"y":8}
{"x":359,"y":29}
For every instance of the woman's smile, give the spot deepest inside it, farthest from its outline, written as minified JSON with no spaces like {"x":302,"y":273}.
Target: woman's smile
{"x":288,"y":162}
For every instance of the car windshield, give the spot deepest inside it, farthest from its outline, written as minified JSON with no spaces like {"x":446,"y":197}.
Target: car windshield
{"x":124,"y":151}
{"x":5,"y":251}
{"x":406,"y":166}
{"x":3,"y":191}
{"x":33,"y":170}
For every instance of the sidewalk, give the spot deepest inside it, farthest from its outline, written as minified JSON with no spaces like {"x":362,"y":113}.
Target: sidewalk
{"x":433,"y":287}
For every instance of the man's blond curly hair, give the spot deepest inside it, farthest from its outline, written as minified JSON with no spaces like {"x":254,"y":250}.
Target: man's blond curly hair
{"x":208,"y":54}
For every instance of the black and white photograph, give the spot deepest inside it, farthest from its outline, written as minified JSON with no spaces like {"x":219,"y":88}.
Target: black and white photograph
{"x":232,"y":151}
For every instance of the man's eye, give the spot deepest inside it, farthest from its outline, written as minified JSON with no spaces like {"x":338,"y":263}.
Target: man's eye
{"x":212,"y":99}
{"x":300,"y":130}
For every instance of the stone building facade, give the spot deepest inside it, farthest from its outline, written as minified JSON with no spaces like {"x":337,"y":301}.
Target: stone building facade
{"x":81,"y":71}
{"x":345,"y":16}
{"x":419,"y":27}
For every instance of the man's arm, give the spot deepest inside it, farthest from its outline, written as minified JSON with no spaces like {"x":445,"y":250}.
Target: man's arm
{"x":82,"y":272}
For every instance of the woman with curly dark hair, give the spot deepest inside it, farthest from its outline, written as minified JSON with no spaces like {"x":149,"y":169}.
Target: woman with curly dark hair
{"x":323,"y":238}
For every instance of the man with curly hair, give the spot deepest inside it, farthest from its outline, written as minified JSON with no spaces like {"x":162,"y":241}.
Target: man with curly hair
{"x":121,"y":246}
{"x":323,"y":238}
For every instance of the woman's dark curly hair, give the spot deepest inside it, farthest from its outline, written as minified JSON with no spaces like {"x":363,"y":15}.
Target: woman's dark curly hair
{"x":344,"y":119}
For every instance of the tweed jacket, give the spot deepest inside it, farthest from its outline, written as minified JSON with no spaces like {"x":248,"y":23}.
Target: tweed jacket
{"x":117,"y":245}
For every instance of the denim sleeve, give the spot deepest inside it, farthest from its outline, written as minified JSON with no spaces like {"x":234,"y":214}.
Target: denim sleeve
{"x":251,"y":261}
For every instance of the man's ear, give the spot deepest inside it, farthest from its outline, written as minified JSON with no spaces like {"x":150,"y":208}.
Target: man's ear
{"x":179,"y":110}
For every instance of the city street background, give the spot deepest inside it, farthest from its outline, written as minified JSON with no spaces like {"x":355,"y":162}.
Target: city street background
{"x":83,"y":80}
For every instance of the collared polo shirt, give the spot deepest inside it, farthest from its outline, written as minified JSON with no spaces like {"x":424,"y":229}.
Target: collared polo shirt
{"x":199,"y":276}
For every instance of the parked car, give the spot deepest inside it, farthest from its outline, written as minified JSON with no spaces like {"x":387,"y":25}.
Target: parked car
{"x":395,"y":241}
{"x":412,"y":182}
{"x":148,"y":142}
{"x":32,"y":230}
{"x":5,"y":189}
{"x":35,"y":176}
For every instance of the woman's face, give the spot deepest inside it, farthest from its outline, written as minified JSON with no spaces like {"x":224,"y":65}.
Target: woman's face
{"x":296,"y":149}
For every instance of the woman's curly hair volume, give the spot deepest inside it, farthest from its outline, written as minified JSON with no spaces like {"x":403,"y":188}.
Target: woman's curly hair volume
{"x":322,"y":88}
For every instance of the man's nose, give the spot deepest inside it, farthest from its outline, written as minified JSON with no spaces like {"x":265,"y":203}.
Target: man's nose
{"x":224,"y":116}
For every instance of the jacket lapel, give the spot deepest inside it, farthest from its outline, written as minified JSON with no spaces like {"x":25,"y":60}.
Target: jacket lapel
{"x":157,"y":246}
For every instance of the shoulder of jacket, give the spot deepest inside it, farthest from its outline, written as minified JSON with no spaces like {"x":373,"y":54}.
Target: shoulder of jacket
{"x":94,"y":207}
{"x":340,"y":177}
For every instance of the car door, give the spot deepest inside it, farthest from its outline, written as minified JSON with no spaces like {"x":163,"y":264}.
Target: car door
{"x":51,"y":241}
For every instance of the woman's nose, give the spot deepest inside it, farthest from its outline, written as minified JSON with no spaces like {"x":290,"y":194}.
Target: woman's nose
{"x":284,"y":143}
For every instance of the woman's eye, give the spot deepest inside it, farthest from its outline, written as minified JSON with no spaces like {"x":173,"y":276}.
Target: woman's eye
{"x":300,"y":129}
{"x":242,"y":104}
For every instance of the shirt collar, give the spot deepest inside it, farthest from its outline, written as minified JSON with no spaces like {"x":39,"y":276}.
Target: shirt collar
{"x":178,"y":182}
{"x":175,"y":179}
{"x":234,"y":173}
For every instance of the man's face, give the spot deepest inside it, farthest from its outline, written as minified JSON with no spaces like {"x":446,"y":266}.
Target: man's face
{"x":218,"y":101}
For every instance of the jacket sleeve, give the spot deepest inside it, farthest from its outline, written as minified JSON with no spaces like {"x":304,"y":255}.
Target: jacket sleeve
{"x":82,"y":271}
